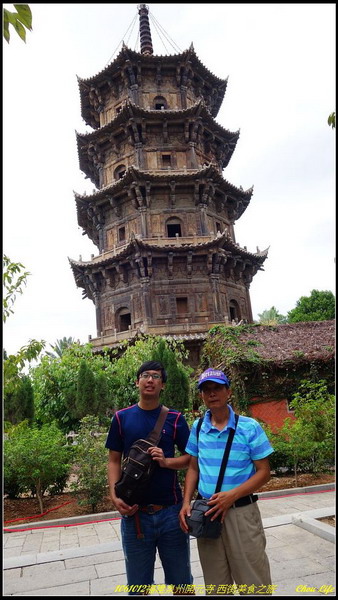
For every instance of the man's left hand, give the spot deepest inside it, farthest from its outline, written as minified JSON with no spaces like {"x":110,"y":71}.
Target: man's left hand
{"x":158,"y":455}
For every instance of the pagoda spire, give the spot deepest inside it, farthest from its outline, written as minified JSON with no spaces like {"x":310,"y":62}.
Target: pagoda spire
{"x":145,"y":33}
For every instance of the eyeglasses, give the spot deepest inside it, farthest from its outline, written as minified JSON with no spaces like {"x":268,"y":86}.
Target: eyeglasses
{"x":148,"y":375}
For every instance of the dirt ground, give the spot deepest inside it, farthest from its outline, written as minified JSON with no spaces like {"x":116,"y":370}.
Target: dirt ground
{"x":67,"y":505}
{"x":329,"y":521}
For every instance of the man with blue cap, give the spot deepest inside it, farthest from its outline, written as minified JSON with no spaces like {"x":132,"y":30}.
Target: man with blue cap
{"x":238,"y":556}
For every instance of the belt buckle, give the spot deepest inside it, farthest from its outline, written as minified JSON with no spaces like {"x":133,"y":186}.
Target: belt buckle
{"x":151,"y":509}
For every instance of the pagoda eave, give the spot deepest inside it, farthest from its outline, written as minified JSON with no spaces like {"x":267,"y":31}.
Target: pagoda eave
{"x":104,"y":78}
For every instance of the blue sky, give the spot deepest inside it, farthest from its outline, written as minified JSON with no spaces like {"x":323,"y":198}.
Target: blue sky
{"x":280,"y":61}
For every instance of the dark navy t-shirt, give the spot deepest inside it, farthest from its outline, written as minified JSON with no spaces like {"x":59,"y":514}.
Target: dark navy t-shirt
{"x":131,"y":423}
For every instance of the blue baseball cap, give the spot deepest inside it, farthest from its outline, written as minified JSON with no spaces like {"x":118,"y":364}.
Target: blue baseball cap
{"x":213,"y":375}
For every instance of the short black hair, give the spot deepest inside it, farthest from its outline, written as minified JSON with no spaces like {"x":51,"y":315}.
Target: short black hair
{"x":152,"y":365}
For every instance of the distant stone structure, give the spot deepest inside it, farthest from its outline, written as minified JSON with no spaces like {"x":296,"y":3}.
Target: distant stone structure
{"x":162,"y":215}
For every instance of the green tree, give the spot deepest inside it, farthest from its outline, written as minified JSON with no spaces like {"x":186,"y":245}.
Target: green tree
{"x":19,"y":404}
{"x":103,"y":399}
{"x":314,"y":408}
{"x":319,"y":306}
{"x":55,"y":382}
{"x":90,"y":460}
{"x":271,"y":316}
{"x":308,"y":442}
{"x":20,"y":20}
{"x":332,"y":120}
{"x":85,"y":394}
{"x":176,"y":392}
{"x":37,"y":457}
{"x":14,"y":364}
{"x":124,"y":370}
{"x":61,"y":345}
{"x":14,"y":278}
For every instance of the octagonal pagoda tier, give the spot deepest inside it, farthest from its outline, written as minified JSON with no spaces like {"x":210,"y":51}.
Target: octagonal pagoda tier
{"x":154,"y":140}
{"x":161,"y":205}
{"x":169,"y":285}
{"x":181,"y":79}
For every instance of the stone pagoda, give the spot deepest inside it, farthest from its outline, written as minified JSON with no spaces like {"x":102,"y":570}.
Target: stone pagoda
{"x":162,"y":216}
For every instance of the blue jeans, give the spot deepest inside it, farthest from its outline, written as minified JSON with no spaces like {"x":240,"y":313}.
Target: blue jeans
{"x":161,"y":531}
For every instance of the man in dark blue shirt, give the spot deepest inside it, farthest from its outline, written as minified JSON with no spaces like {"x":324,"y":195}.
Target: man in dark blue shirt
{"x":154,"y":525}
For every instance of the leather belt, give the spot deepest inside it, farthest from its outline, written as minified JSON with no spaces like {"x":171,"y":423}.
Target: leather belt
{"x":150,"y":509}
{"x":245,"y":500}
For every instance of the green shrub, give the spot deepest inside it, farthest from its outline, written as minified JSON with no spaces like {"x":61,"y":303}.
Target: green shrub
{"x":35,"y":459}
{"x":90,"y":462}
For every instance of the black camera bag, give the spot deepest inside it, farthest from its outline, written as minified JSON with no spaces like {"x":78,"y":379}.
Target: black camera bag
{"x":138,"y":466}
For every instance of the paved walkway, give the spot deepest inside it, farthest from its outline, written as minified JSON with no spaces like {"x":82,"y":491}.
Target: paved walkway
{"x":60,"y":558}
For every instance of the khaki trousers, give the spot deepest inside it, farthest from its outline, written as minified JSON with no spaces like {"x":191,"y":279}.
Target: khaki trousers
{"x":238,"y":555}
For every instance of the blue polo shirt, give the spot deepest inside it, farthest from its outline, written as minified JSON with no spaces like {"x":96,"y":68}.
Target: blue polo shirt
{"x":250,"y":443}
{"x":132,"y":423}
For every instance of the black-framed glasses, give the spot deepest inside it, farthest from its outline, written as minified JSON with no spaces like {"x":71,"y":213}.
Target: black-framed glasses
{"x":146,"y":375}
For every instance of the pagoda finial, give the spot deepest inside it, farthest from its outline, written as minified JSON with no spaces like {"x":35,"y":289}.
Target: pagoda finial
{"x":145,"y":33}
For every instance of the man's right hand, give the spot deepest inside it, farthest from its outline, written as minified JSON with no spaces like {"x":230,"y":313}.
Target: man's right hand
{"x":185,"y":510}
{"x":124,"y":509}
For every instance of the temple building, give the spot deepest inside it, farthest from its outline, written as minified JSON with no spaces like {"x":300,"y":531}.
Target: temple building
{"x":163,"y":215}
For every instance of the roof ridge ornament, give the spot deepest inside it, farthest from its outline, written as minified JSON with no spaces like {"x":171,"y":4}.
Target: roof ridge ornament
{"x":145,"y":33}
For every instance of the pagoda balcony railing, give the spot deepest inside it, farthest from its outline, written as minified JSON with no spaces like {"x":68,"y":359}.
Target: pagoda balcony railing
{"x":178,"y":329}
{"x":160,"y":241}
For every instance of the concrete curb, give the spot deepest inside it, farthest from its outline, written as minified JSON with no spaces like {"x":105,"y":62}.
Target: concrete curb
{"x":109,"y":516}
{"x":323,"y":530}
{"x":299,"y":490}
{"x":288,"y":519}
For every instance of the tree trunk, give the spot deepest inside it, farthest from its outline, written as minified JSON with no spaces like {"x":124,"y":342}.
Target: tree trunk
{"x":39,"y":495}
{"x":295,"y":471}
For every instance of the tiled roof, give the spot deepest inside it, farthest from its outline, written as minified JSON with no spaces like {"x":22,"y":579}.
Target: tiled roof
{"x":295,"y":342}
{"x":221,"y":241}
{"x":126,"y":53}
{"x":135,"y":174}
{"x":132,"y":110}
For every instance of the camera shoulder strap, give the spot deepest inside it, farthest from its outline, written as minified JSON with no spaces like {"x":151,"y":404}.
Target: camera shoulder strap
{"x":225,"y":457}
{"x":155,"y":435}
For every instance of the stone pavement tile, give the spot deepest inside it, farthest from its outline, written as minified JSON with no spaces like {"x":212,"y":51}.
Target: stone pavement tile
{"x":10,"y":552}
{"x":285,"y":553}
{"x":302,"y":586}
{"x":50,"y":531}
{"x":33,"y":546}
{"x":291,"y":569}
{"x":196,"y":570}
{"x":67,"y":546}
{"x":14,"y":542}
{"x":91,"y":540}
{"x":13,"y":574}
{"x":291,"y":534}
{"x":93,"y":559}
{"x":327,"y":561}
{"x":69,"y":535}
{"x":86,"y":530}
{"x":45,"y":569}
{"x":41,"y":582}
{"x":320,"y":549}
{"x":115,"y":567}
{"x":48,"y":547}
{"x":271,"y":540}
{"x":108,"y":585}
{"x":80,"y":588}
{"x":325,"y":584}
{"x":69,"y":540}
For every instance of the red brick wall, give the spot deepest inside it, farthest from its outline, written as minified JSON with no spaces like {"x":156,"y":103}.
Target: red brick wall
{"x":272,"y":412}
